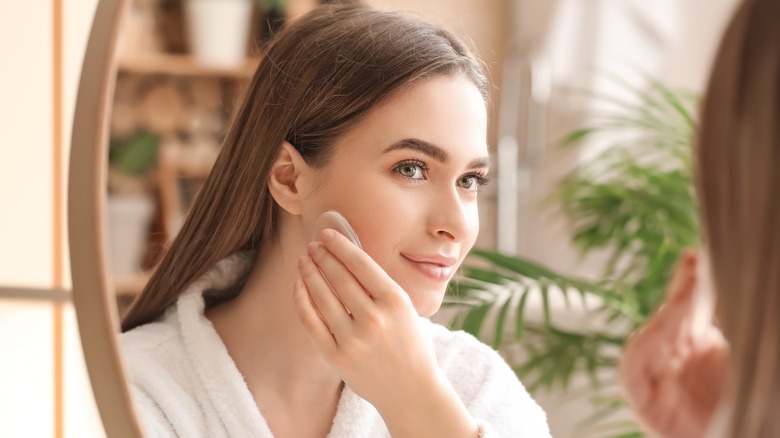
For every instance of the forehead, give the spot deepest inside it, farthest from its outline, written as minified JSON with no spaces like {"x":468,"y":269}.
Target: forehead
{"x":446,"y":111}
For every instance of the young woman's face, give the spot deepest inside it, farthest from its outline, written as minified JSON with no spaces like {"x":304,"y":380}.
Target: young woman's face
{"x":407,"y":180}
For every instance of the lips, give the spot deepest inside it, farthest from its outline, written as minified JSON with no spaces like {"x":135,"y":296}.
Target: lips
{"x":436,"y":267}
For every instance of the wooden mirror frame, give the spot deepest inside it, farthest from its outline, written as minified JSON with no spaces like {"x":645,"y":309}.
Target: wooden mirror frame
{"x":93,"y":292}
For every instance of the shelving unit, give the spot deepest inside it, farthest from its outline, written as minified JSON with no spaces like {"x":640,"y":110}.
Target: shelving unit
{"x":183,"y":65}
{"x":130,"y":285}
{"x":164,"y":90}
{"x":184,"y":102}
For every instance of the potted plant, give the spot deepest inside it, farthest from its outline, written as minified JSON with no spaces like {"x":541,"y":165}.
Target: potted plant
{"x":636,"y":200}
{"x":218,"y":30}
{"x":130,"y":204}
{"x":274,"y":15}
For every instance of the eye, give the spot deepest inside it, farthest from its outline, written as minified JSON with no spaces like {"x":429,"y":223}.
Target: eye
{"x":412,"y":170}
{"x":472,"y":182}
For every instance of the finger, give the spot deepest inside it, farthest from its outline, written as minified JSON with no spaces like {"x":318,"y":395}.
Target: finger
{"x":312,"y":321}
{"x":646,"y":354}
{"x":683,"y":270}
{"x":351,"y":293}
{"x":652,"y":343}
{"x":327,"y":303}
{"x":655,"y":351}
{"x":676,"y":314}
{"x":367,"y":272}
{"x":666,"y":340}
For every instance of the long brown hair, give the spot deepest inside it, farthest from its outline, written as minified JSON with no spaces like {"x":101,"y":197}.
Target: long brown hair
{"x":738,"y":157}
{"x":319,"y":78}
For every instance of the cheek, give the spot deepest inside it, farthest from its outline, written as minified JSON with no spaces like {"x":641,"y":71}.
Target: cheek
{"x":473,"y":212}
{"x":380,"y":225}
{"x":371,"y":209}
{"x":341,"y":191}
{"x":383,"y":220}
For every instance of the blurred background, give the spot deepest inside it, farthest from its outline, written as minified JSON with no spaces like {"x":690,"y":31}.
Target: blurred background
{"x":592,"y":109}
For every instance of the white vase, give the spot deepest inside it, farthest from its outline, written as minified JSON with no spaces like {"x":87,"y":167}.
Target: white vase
{"x":218,"y":31}
{"x":129,"y":217}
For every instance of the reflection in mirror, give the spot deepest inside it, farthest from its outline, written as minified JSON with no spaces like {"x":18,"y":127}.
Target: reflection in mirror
{"x":208,"y":222}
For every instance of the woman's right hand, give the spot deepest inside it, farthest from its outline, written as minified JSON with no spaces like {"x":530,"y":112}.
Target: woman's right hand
{"x":672,"y":377}
{"x":368,"y":330}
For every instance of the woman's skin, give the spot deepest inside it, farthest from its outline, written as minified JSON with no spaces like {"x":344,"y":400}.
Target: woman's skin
{"x":406,"y":179}
{"x":672,"y":375}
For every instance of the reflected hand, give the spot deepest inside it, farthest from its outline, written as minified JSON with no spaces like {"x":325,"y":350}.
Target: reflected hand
{"x":671,"y":377}
{"x":363,"y":322}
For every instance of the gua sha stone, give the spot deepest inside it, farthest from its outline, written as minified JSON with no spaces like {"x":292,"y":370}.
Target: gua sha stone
{"x":333,"y":219}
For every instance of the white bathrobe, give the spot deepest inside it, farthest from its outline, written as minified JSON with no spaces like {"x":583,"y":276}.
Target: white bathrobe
{"x":187,"y":385}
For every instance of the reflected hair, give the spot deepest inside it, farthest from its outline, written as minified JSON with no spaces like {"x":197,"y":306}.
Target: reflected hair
{"x":737,"y":160}
{"x":319,"y":78}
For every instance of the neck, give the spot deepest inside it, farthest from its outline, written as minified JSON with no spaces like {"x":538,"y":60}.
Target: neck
{"x":262,"y":331}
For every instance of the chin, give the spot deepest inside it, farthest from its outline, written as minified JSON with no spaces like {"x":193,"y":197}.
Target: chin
{"x":429,"y":304}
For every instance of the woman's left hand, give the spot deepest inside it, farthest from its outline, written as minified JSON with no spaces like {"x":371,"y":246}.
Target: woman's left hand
{"x":367,"y":328}
{"x":671,"y":376}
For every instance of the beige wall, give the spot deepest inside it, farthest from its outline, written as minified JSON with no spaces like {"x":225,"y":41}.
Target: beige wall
{"x":26,"y":143}
{"x":42,"y":368}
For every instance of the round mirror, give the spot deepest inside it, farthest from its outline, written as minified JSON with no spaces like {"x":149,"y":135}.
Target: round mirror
{"x":147,"y":128}
{"x":93,"y":294}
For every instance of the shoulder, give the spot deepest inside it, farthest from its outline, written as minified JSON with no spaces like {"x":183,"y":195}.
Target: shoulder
{"x":160,"y":377}
{"x":155,"y":341}
{"x":148,"y":337}
{"x":154,"y":355}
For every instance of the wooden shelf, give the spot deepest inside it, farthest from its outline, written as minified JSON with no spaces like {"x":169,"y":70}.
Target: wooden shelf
{"x":183,"y":65}
{"x":131,"y":285}
{"x":194,"y":170}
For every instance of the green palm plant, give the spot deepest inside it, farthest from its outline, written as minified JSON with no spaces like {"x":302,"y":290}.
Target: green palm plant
{"x":635,"y":199}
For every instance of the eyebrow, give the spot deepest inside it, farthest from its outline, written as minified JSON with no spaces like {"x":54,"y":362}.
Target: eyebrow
{"x":432,"y":151}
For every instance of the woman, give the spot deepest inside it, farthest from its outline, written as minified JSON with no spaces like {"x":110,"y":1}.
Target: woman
{"x":247,"y":329}
{"x":684,"y":378}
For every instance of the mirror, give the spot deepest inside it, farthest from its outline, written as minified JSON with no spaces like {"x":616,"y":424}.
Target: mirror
{"x":94,"y":286}
{"x":93,"y":295}
{"x":118,"y":52}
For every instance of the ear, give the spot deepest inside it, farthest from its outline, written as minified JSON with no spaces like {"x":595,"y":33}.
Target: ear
{"x":286,"y":182}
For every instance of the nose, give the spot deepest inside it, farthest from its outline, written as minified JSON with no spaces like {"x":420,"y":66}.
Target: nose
{"x":452,"y":217}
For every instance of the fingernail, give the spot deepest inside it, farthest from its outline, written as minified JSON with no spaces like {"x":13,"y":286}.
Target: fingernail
{"x":690,"y":256}
{"x":313,"y":247}
{"x":327,"y":234}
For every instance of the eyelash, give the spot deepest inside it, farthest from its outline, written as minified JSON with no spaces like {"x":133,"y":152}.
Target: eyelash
{"x":411,"y":163}
{"x":480,"y":177}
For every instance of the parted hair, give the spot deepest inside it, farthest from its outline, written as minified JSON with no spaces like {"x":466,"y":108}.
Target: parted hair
{"x":319,"y":78}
